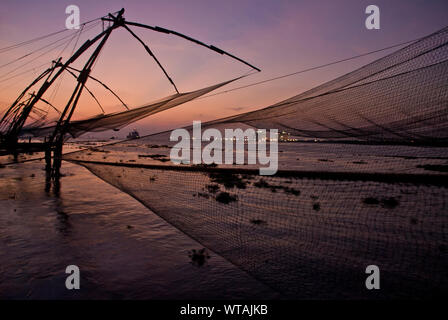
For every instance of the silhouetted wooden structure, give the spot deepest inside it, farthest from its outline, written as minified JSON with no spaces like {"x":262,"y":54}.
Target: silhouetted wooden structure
{"x":15,"y":117}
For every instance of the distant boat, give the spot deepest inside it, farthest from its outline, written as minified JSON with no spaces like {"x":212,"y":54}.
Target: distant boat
{"x":133,"y":135}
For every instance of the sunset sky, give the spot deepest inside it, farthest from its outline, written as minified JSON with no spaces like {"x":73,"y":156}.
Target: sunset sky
{"x":279,"y":37}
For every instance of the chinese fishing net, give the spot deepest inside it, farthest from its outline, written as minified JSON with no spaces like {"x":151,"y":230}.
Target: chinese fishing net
{"x":362,"y":180}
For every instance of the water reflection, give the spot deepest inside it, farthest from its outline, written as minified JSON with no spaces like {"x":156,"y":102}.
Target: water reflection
{"x":52,"y":182}
{"x":122,"y":249}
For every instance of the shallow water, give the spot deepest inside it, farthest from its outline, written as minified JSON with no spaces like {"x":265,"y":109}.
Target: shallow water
{"x":305,"y":237}
{"x":123,"y":250}
{"x":313,"y":234}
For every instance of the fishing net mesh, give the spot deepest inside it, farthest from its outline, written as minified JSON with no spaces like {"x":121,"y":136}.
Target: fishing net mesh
{"x":118,"y":120}
{"x":334,"y":206}
{"x":305,"y":238}
{"x":401,"y":97}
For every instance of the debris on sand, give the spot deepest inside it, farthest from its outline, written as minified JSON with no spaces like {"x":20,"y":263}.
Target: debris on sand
{"x":155,"y":146}
{"x":158,"y":157}
{"x":371,"y":200}
{"x":152,"y":156}
{"x":292,"y":191}
{"x":434,"y":167}
{"x":199,"y":257}
{"x":99,"y":150}
{"x":360,"y":162}
{"x":226,"y":198}
{"x":389,"y":203}
{"x":228,"y":180}
{"x":204,"y":165}
{"x":264,"y":184}
{"x":129,"y":227}
{"x":316,"y":206}
{"x":200,"y":194}
{"x":212,"y":188}
{"x":258,"y":221}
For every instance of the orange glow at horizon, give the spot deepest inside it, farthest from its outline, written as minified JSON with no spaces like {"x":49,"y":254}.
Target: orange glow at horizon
{"x":278,"y":37}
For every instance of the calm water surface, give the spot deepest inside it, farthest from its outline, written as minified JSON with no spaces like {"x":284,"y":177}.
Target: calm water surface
{"x":123,"y":250}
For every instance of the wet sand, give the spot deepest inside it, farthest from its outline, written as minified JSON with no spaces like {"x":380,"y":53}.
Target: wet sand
{"x":124,"y":251}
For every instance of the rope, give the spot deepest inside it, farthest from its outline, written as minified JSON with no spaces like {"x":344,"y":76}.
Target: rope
{"x":309,"y":69}
{"x":20,"y":44}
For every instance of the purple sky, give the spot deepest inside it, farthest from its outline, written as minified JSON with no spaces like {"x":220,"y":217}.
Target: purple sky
{"x":277,"y":36}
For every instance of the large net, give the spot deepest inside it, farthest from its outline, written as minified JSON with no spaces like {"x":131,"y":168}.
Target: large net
{"x":399,"y":98}
{"x":118,"y":120}
{"x":362,"y":180}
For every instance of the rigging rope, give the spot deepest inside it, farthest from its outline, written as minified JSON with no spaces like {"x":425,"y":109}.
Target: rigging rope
{"x":20,"y":44}
{"x":44,"y":53}
{"x":310,"y":69}
{"x":58,"y":85}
